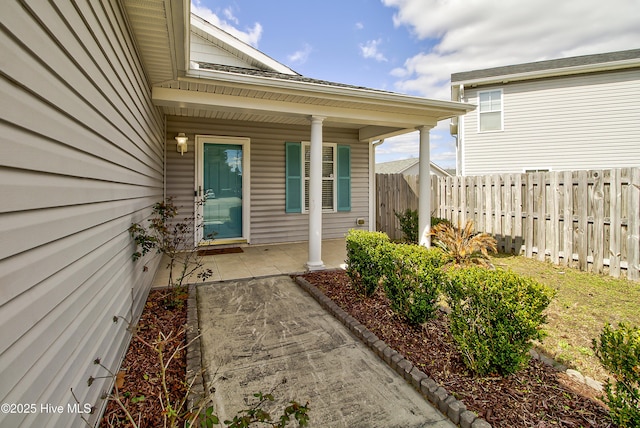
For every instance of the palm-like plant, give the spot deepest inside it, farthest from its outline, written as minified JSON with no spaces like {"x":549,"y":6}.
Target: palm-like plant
{"x":463,"y":246}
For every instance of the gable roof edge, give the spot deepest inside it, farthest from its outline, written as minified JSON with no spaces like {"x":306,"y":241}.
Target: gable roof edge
{"x":551,"y":68}
{"x":233,"y":42}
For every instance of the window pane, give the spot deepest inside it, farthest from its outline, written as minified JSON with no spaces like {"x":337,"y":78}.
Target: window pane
{"x":327,"y":153}
{"x":307,"y":160}
{"x":485,"y":101}
{"x":327,"y":169}
{"x":490,"y":121}
{"x":306,"y":195}
{"x":496,"y":101}
{"x":327,"y":194}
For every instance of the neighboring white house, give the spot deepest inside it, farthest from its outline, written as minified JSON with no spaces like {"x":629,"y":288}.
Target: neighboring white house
{"x":92,"y":97}
{"x":408,"y":167}
{"x":563,"y":114}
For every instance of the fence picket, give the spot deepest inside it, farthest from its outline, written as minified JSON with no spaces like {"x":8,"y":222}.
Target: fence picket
{"x":583,"y":221}
{"x":567,"y":216}
{"x":597,"y":203}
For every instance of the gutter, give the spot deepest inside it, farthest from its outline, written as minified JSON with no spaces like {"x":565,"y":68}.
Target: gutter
{"x":373,"y":203}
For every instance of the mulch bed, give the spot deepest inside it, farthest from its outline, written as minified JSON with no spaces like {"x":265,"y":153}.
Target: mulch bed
{"x":538,"y":396}
{"x":140,"y":372}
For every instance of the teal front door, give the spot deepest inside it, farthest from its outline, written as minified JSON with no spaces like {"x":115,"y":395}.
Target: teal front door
{"x":222,"y":175}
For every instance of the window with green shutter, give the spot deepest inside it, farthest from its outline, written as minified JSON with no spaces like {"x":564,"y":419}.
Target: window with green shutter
{"x":336,"y":177}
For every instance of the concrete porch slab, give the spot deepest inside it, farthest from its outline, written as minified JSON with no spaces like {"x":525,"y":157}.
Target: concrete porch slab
{"x":262,"y":260}
{"x":259,"y":333}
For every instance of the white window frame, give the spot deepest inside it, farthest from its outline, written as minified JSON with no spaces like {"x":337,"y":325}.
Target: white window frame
{"x":480,"y":131}
{"x":306,"y":145}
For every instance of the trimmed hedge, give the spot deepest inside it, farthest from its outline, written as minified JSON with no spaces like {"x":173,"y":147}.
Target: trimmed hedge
{"x":412,"y":278}
{"x":495,"y":315}
{"x":364,"y":256}
{"x":619,"y":352}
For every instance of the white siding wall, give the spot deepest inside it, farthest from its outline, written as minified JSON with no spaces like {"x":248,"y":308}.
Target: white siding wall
{"x":81,"y":158}
{"x":269,"y":223}
{"x":581,"y":122}
{"x":203,"y":51}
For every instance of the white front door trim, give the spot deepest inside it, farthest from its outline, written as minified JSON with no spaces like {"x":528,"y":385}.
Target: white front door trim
{"x":246,"y":184}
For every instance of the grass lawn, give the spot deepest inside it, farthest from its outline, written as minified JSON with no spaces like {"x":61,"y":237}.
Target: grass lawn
{"x":583,"y":304}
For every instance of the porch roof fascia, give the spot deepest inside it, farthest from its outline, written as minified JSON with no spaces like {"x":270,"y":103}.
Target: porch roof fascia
{"x":442,"y":109}
{"x":381,"y":114}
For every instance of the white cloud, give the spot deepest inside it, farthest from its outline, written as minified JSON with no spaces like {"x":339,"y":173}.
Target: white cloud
{"x":471,"y":35}
{"x":359,"y":25}
{"x":250,"y":36}
{"x":228,"y":13}
{"x":301,"y":56}
{"x":370,"y":50}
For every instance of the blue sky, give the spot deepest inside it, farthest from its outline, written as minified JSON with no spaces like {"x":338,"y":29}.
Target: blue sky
{"x":413,"y":46}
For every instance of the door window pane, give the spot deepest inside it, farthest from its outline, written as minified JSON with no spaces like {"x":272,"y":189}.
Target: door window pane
{"x":222,"y":180}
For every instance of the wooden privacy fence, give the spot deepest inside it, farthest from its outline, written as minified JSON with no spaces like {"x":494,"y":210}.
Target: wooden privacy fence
{"x":584,"y":219}
{"x":396,"y":193}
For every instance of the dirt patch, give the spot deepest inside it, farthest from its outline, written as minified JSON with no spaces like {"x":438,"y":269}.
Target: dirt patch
{"x":538,"y":396}
{"x":141,"y":388}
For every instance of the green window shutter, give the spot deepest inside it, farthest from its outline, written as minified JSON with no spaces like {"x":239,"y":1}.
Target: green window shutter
{"x":344,"y":178}
{"x":293,"y":180}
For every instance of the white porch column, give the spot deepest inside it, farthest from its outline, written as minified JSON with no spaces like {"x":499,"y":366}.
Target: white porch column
{"x":315,"y":195}
{"x":424,"y":198}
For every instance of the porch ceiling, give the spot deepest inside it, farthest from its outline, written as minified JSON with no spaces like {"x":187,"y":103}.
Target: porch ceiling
{"x":159,"y":30}
{"x":234,"y":96}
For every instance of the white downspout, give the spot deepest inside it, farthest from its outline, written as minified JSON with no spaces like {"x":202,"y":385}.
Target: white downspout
{"x":373,"y":202}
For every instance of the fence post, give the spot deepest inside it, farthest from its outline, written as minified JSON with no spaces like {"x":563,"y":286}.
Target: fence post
{"x":633,"y":216}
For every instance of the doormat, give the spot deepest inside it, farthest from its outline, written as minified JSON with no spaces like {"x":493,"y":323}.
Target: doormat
{"x":218,"y":251}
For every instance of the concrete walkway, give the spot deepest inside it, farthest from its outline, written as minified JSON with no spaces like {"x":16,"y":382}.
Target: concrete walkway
{"x":267,"y":334}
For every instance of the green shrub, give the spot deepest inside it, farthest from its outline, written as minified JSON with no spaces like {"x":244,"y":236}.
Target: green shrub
{"x":619,"y":352}
{"x":409,"y":224}
{"x":412,"y":278}
{"x":494,"y":316}
{"x":364,"y":254}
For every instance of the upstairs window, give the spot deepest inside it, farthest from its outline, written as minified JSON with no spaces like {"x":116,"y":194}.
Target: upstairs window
{"x":490,"y":111}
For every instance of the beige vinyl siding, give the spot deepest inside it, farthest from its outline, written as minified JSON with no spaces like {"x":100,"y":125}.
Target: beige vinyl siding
{"x":81,"y":158}
{"x":580,"y":122}
{"x":269,"y":223}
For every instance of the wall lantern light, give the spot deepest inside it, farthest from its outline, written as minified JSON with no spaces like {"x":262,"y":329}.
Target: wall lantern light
{"x":182,"y":143}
